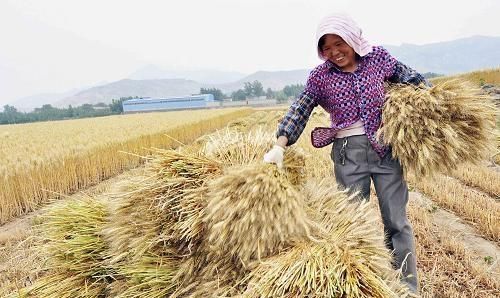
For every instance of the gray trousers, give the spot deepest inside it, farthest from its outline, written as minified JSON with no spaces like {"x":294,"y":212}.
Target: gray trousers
{"x":355,"y":164}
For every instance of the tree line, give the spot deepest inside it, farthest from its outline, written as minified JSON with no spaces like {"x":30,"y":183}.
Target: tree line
{"x":11,"y":115}
{"x":255,"y":90}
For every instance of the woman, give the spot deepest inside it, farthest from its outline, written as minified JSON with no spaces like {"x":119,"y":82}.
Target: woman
{"x":349,"y":85}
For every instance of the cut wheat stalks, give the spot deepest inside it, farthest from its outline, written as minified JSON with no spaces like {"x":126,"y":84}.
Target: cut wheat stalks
{"x":232,"y":148}
{"x":257,"y":201}
{"x":162,"y":208}
{"x":160,"y":216}
{"x":65,"y":284}
{"x":351,"y":222}
{"x":209,"y":273}
{"x":484,"y":178}
{"x":321,"y":269}
{"x":183,"y":177}
{"x":467,"y":203}
{"x":151,"y":276}
{"x":134,"y":224}
{"x":352,"y":261}
{"x":434,"y":130}
{"x":77,"y":260}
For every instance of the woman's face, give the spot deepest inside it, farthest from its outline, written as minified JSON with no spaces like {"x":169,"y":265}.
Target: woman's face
{"x":339,"y":52}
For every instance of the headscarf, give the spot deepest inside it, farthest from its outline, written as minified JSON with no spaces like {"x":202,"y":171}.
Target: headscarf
{"x":345,"y":27}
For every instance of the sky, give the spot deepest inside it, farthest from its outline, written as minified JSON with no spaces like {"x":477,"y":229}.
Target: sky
{"x":57,"y":45}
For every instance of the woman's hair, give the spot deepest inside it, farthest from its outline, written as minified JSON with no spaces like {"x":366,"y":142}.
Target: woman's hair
{"x":321,"y":43}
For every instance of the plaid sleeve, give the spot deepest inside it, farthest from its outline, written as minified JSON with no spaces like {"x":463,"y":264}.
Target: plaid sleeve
{"x":296,"y":118}
{"x":406,"y":75}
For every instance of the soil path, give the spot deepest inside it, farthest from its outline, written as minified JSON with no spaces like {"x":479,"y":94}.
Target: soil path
{"x":486,"y":252}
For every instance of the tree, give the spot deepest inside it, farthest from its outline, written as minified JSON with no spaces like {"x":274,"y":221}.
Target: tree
{"x":116,"y":106}
{"x":70,"y":112}
{"x":269,"y":93}
{"x":257,"y":89}
{"x":10,"y":115}
{"x":281,"y":97}
{"x":254,"y":89}
{"x":239,"y":95}
{"x":248,"y":89}
{"x":293,"y":90}
{"x":217,"y":93}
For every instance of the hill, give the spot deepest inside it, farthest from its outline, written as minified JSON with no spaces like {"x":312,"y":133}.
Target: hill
{"x":448,"y":58}
{"x":451,"y":57}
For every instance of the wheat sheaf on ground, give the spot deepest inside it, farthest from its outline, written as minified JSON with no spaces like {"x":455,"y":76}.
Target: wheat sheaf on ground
{"x":434,"y":130}
{"x":200,"y":226}
{"x":77,"y":265}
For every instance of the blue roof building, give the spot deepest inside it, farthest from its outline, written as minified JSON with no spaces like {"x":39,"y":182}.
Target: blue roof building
{"x":147,"y":104}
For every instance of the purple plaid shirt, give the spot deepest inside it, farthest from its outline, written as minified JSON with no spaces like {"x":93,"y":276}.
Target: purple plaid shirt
{"x":348,"y":97}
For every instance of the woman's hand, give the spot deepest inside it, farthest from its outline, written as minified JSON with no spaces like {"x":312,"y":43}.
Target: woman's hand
{"x":275,"y":155}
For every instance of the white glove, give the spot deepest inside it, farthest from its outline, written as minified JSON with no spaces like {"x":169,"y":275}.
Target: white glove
{"x":275,"y":155}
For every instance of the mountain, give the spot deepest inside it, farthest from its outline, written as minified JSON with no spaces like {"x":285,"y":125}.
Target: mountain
{"x":462,"y":55}
{"x":128,"y":87}
{"x":153,"y":72}
{"x":29,"y":103}
{"x":451,"y":57}
{"x":275,"y":80}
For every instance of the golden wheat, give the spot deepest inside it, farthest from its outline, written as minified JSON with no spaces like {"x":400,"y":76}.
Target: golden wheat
{"x":45,"y":160}
{"x":433,"y":131}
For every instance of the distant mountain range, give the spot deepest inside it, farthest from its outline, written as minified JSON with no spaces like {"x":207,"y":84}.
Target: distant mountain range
{"x":153,"y":72}
{"x":451,"y":57}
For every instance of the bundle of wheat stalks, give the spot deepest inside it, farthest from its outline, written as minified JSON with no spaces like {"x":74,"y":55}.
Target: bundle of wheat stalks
{"x":218,"y":222}
{"x":434,"y":130}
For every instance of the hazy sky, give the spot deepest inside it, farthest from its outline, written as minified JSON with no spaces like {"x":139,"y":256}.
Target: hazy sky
{"x":57,"y":45}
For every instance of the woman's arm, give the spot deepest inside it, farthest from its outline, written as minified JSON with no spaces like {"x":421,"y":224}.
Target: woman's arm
{"x":282,"y":141}
{"x":290,"y":128}
{"x":406,"y":75}
{"x":295,"y":120}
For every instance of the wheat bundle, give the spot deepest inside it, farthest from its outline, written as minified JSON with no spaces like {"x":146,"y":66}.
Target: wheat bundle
{"x":320,"y":269}
{"x":351,"y":222}
{"x":65,"y":284}
{"x":159,"y":216}
{"x":253,"y":211}
{"x":350,"y":261}
{"x":232,"y":148}
{"x":150,"y":276}
{"x":144,"y":265}
{"x":163,"y":209}
{"x":134,"y":223}
{"x":210,"y":274}
{"x":182,"y":179}
{"x":434,"y":130}
{"x":77,"y":260}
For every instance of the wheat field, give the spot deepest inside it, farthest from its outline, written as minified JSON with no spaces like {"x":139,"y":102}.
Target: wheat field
{"x":42,"y":161}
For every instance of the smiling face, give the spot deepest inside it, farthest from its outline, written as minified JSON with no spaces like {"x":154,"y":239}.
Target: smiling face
{"x":335,"y":49}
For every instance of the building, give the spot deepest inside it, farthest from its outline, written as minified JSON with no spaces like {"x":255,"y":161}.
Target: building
{"x":147,"y":104}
